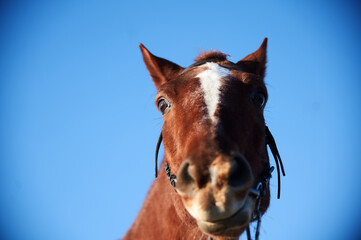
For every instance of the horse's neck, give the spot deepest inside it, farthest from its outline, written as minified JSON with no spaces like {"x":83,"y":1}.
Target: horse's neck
{"x":158,"y":218}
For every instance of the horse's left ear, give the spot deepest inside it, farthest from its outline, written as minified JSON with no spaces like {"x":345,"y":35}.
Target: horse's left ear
{"x":256,"y":62}
{"x":160,"y":69}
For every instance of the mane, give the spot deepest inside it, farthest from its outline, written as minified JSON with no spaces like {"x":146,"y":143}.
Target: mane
{"x":211,"y":54}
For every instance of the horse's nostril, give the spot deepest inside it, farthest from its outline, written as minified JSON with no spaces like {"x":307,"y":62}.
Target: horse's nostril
{"x":185,"y":180}
{"x":240,"y":175}
{"x":184,"y":173}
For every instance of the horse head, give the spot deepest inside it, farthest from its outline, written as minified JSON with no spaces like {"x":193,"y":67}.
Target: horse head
{"x":214,"y":137}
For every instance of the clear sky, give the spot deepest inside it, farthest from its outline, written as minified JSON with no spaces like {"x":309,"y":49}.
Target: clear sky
{"x":78,"y":125}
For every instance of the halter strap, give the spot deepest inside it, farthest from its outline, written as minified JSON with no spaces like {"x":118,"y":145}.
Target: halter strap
{"x":196,"y":64}
{"x":214,"y":60}
{"x":270,"y":141}
{"x":156,"y":153}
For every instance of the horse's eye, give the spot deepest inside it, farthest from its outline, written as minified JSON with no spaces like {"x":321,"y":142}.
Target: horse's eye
{"x":259,"y":98}
{"x":163,"y":105}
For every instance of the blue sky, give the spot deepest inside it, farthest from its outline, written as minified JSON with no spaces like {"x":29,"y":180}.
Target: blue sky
{"x":79,"y":125}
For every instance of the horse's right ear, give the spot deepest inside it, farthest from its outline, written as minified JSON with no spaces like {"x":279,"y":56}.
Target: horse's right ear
{"x":160,"y":69}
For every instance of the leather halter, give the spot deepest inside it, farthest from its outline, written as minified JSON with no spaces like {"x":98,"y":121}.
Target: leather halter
{"x":258,"y":193}
{"x":270,"y":141}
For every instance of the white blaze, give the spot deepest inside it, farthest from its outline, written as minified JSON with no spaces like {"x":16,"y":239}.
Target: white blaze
{"x":211,"y":82}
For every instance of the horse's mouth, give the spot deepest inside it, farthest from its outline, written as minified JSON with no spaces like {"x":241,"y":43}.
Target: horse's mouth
{"x":231,"y":226}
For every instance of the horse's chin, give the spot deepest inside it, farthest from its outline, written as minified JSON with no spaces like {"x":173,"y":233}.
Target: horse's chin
{"x":232,"y":226}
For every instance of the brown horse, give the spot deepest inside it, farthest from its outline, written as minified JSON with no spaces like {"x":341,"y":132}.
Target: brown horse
{"x":215,"y":139}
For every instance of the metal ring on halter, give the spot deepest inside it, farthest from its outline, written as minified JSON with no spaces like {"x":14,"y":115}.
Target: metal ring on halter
{"x":259,"y":185}
{"x":256,"y":192}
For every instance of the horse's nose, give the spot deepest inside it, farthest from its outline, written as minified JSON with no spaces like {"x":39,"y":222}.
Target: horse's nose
{"x":231,"y":171}
{"x":240,"y":175}
{"x":186,"y":179}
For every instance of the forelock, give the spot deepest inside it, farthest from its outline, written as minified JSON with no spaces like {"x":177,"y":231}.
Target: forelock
{"x":212,"y":54}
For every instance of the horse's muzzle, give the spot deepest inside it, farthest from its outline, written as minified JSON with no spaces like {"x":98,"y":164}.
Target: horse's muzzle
{"x":217,"y":198}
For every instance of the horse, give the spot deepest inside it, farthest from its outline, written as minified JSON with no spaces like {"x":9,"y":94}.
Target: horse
{"x":215,"y":141}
